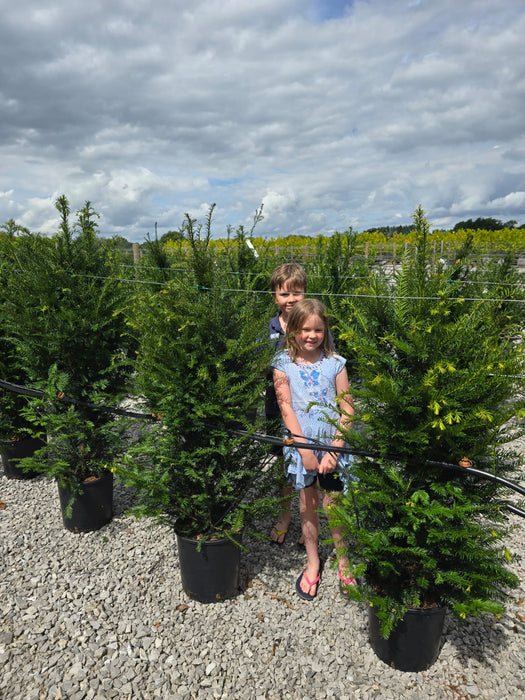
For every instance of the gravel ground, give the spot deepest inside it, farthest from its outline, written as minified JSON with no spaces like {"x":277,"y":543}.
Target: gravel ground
{"x":103,"y":615}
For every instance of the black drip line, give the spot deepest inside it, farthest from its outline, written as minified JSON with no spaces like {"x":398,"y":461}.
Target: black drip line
{"x":39,"y":394}
{"x":289,"y":440}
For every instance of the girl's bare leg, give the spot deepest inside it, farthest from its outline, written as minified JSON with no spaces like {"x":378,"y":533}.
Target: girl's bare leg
{"x":279,"y":530}
{"x":337,"y":535}
{"x":308,"y":504}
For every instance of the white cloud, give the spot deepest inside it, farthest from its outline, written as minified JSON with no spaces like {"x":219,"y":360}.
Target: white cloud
{"x":277,"y":203}
{"x":40,"y":214}
{"x":512,"y":202}
{"x":332,"y":114}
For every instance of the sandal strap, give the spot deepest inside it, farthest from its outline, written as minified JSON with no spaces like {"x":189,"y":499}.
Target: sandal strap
{"x":311,"y":583}
{"x":279,"y":533}
{"x":348,"y":580}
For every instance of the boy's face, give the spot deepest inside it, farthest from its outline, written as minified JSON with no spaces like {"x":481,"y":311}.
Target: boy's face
{"x":285,"y":298}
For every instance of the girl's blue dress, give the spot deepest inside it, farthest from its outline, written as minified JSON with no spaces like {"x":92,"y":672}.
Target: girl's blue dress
{"x":313,"y":393}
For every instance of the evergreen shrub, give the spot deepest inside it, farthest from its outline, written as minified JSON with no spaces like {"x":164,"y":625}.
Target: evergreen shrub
{"x":64,"y":315}
{"x":201,"y":363}
{"x":440,"y":378}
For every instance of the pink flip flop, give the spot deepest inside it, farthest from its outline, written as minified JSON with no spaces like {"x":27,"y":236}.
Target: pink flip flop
{"x":300,"y":592}
{"x":344,"y":583}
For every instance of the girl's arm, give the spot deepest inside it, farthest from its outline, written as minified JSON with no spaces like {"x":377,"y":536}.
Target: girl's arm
{"x":342,"y":387}
{"x":284,"y":398}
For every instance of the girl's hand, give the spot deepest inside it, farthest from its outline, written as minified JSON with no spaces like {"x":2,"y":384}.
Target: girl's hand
{"x":327,"y":464}
{"x":310,"y":461}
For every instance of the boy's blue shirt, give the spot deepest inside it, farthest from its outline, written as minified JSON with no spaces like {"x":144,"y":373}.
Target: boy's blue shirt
{"x":276,"y":336}
{"x":275,"y":331}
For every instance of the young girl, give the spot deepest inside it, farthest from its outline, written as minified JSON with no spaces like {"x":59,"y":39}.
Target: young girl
{"x":309,"y":378}
{"x":288,"y":286}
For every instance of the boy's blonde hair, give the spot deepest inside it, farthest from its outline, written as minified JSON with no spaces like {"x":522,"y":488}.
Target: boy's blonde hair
{"x":291,"y":275}
{"x":298,"y":315}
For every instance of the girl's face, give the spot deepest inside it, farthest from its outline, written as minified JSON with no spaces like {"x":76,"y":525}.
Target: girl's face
{"x":311,"y":334}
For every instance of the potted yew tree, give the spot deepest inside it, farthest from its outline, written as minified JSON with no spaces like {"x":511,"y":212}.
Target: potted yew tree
{"x":16,"y":433}
{"x":16,"y":441}
{"x":64,"y":314}
{"x":201,"y":367}
{"x":440,"y":367}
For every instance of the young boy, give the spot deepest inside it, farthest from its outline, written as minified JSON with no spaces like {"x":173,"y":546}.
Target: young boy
{"x":288,"y":286}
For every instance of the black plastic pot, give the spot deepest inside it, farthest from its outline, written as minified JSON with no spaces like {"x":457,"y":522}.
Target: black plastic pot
{"x":91,"y":509}
{"x":16,"y":450}
{"x":414,"y":644}
{"x":211,"y":574}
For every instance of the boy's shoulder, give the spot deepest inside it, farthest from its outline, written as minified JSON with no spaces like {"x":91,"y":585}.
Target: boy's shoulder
{"x":275,"y":322}
{"x":275,"y":330}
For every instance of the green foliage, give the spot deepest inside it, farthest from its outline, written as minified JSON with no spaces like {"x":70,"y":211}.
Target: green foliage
{"x":444,"y":243}
{"x":200,"y":368}
{"x":241,"y":257}
{"x":439,"y":379}
{"x":421,"y":537}
{"x":10,"y":229}
{"x":485,"y":224}
{"x":336,"y":273}
{"x":199,"y":236}
{"x":65,"y":322}
{"x":82,"y":442}
{"x":437,"y":368}
{"x":13,"y":426}
{"x":334,"y":267}
{"x":156,"y":259}
{"x":171,"y":237}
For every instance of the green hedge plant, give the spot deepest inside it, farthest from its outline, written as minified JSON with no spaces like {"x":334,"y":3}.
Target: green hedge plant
{"x":65,"y":320}
{"x":201,"y":364}
{"x":440,"y":378}
{"x":13,"y":426}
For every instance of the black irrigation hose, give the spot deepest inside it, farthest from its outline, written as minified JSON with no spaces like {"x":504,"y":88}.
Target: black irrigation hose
{"x":38,"y":393}
{"x":515,"y":510}
{"x":289,"y":440}
{"x":315,"y":445}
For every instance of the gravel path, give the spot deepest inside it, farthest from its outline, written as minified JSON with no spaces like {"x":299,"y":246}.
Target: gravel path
{"x":103,"y":615}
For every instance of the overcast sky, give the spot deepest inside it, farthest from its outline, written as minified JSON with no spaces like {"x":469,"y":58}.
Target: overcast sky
{"x":330,"y":113}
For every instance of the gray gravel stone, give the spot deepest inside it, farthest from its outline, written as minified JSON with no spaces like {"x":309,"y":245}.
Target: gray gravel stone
{"x":103,"y":615}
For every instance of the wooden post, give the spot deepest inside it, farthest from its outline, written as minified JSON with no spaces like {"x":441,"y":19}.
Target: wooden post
{"x":394,"y":257}
{"x":136,"y":258}
{"x":366,"y":249}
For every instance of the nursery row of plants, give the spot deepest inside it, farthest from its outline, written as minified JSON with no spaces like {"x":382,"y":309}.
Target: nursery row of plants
{"x":435,"y":355}
{"x":491,"y":237}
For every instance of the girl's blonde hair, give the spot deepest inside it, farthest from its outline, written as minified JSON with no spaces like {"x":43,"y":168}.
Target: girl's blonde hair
{"x":298,"y":315}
